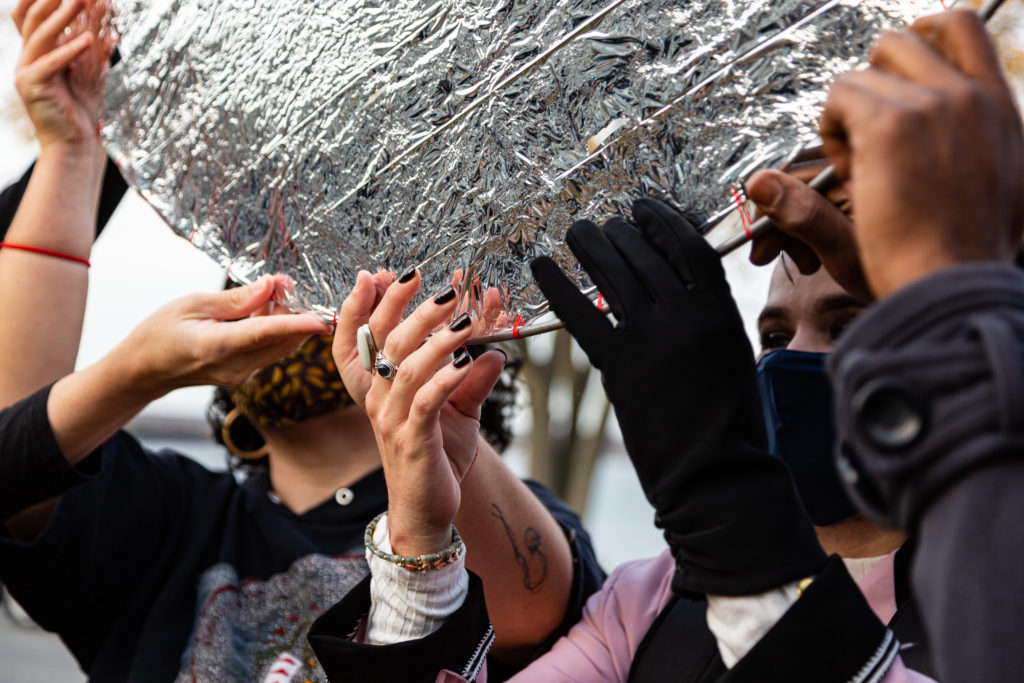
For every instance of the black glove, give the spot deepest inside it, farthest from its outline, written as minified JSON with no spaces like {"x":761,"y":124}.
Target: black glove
{"x":680,"y":372}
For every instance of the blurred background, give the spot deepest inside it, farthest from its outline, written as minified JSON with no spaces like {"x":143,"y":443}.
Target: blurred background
{"x":566,"y":435}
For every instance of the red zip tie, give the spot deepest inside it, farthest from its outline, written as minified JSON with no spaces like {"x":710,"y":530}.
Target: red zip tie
{"x":46,"y":252}
{"x":600,"y":302}
{"x":334,"y":323}
{"x":744,"y":216}
{"x":515,"y":327}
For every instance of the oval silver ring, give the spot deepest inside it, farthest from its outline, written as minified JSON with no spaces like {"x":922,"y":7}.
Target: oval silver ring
{"x":385,"y":368}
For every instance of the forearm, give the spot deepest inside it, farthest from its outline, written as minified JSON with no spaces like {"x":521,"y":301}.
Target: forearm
{"x":87,"y":407}
{"x":519,"y":551}
{"x":43,"y":300}
{"x":948,"y":351}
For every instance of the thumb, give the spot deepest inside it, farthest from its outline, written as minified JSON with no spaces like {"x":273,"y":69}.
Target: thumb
{"x":802,"y":213}
{"x":477,"y":386}
{"x":240,"y":302}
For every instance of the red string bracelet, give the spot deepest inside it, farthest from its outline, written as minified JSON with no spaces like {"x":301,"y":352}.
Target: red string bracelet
{"x":46,"y":252}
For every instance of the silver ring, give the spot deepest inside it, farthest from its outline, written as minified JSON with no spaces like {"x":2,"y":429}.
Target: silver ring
{"x":385,"y":368}
{"x":367,"y":347}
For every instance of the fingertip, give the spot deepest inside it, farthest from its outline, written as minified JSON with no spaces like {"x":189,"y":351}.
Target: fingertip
{"x":262,"y":284}
{"x":764,"y":249}
{"x":644,"y":209}
{"x":541,"y":264}
{"x":765,"y":190}
{"x":462,"y":359}
{"x":363,"y":281}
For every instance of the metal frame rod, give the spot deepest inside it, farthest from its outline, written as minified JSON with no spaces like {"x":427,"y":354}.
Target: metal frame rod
{"x":822,"y":183}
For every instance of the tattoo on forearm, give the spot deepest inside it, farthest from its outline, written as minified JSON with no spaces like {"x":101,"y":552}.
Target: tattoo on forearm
{"x":532,"y":540}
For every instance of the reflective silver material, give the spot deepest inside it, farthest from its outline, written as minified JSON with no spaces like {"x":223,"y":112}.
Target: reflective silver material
{"x":323,"y":136}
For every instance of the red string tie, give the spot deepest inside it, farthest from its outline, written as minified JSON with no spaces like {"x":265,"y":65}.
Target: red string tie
{"x":515,"y":327}
{"x":46,"y":252}
{"x":744,"y":216}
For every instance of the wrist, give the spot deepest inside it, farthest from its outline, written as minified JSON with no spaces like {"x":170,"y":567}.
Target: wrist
{"x":71,"y":152}
{"x":133,"y":374}
{"x":416,"y":539}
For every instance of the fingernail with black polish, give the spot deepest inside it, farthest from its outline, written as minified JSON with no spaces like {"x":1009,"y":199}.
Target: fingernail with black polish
{"x":460,"y":323}
{"x":502,"y":352}
{"x":407,"y":274}
{"x":445,"y":295}
{"x":462,"y":358}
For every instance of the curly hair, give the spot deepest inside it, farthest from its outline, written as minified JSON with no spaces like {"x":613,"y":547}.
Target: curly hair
{"x":495,"y":415}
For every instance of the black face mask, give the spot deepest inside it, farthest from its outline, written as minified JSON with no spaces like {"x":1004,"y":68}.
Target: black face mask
{"x":797,"y":399}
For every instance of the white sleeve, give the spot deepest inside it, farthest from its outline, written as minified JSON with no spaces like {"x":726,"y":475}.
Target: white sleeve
{"x":406,"y":605}
{"x":740,"y":622}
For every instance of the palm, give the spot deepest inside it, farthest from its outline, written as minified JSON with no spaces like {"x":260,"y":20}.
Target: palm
{"x":57,"y":114}
{"x":62,"y":70}
{"x":460,"y":433}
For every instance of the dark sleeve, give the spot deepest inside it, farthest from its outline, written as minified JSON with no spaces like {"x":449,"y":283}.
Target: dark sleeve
{"x":105,"y":545}
{"x":930,"y":410}
{"x":32,"y":467}
{"x":114,"y":188}
{"x":838,"y":638}
{"x":459,"y":646}
{"x":10,"y":198}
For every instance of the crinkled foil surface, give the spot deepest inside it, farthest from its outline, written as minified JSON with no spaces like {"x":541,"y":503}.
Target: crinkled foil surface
{"x":318,"y":137}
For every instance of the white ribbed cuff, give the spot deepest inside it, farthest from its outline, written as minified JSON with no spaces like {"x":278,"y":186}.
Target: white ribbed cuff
{"x":406,"y":605}
{"x":739,"y":622}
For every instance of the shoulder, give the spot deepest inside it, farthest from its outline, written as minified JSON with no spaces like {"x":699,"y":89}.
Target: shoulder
{"x":125,"y":464}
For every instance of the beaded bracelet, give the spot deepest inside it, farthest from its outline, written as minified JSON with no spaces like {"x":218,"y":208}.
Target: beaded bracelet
{"x":415,"y":563}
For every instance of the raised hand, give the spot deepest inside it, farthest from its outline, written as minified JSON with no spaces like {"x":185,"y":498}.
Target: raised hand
{"x":813,"y":229}
{"x":213,"y":339}
{"x":63,"y":64}
{"x":427,"y":417}
{"x":679,"y":370}
{"x":930,"y":145}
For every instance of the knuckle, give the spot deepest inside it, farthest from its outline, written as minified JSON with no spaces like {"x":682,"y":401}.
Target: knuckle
{"x":896,"y":122}
{"x":259,"y":337}
{"x":887,"y":42}
{"x":374,"y":406}
{"x":961,"y":19}
{"x":966,"y":94}
{"x":236,"y":296}
{"x":421,"y":404}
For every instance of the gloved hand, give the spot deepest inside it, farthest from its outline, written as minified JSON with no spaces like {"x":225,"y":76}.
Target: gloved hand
{"x":680,"y":373}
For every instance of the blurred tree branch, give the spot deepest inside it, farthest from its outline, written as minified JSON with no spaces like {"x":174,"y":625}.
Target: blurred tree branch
{"x":568,"y":432}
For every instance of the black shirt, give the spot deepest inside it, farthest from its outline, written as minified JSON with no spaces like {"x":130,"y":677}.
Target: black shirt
{"x":157,"y":569}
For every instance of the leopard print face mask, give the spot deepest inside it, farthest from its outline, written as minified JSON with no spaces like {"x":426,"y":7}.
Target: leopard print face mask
{"x":302,"y":386}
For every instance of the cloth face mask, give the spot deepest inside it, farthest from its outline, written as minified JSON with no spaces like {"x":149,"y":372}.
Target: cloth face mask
{"x":797,"y":398}
{"x":304,"y":385}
